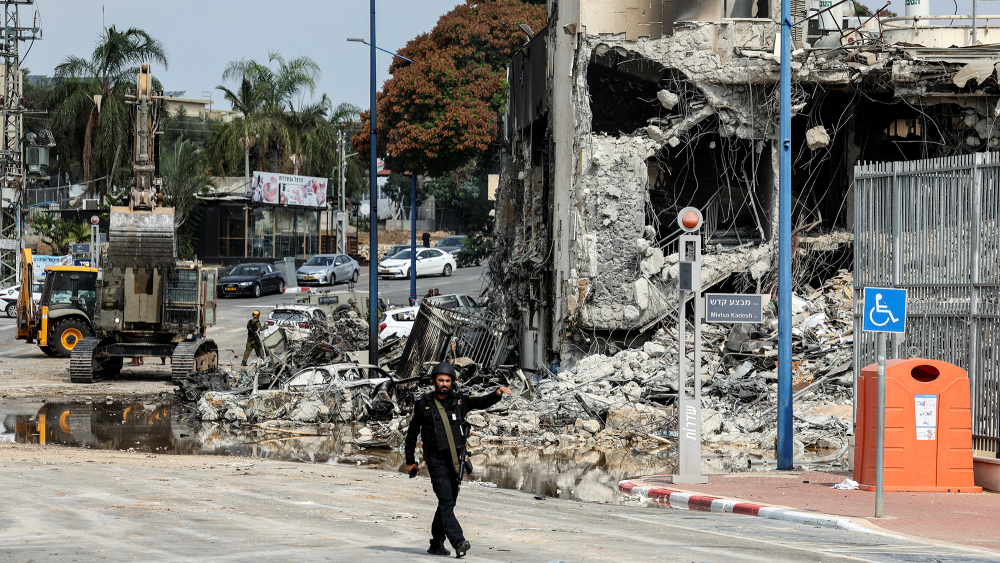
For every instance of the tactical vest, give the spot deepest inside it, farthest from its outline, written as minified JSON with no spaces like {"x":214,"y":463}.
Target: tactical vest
{"x":438,"y":439}
{"x":253,"y":327}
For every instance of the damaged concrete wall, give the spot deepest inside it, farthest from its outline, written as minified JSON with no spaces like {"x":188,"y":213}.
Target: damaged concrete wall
{"x":621,"y":268}
{"x":636,"y":128}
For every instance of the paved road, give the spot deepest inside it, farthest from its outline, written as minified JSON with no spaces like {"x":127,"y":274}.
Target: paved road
{"x":233,"y":313}
{"x":66,"y":504}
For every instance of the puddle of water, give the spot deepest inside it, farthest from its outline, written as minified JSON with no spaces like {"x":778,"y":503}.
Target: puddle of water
{"x":575,"y":474}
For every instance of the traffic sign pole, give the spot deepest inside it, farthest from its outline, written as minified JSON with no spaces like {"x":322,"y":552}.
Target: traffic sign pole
{"x":94,"y":238}
{"x":884,"y":312}
{"x":880,"y":436}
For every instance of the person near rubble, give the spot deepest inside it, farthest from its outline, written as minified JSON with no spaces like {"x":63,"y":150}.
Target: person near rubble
{"x":437,"y":292}
{"x":355,"y":313}
{"x":254,"y":328}
{"x":426,"y":239}
{"x":439,"y":419}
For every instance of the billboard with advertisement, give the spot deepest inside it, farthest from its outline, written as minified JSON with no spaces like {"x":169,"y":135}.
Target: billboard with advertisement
{"x":285,"y":189}
{"x":40,"y":262}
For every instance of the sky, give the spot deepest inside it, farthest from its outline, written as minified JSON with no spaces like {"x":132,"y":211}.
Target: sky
{"x":202,"y":36}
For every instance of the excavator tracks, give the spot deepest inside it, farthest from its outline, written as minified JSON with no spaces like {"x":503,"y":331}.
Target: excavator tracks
{"x":193,"y":355}
{"x":84,"y":367}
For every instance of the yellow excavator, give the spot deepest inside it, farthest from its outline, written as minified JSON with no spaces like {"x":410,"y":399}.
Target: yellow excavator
{"x":64,"y":314}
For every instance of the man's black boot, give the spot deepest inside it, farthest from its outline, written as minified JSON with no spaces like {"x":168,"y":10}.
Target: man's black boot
{"x":438,"y":550}
{"x":462,"y":548}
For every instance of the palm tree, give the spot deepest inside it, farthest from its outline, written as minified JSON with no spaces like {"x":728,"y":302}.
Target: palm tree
{"x":242,"y":132}
{"x":308,"y":139}
{"x":264,"y":95}
{"x":184,"y":179}
{"x":110,"y":71}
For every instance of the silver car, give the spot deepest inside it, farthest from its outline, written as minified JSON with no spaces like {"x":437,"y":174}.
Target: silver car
{"x":328,"y":269}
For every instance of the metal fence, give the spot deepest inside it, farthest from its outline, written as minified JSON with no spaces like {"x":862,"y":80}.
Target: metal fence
{"x":58,"y":197}
{"x":933,"y":227}
{"x":444,"y":334}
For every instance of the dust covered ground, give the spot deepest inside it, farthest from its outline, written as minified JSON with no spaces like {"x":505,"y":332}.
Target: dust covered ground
{"x":64,"y":504}
{"x":26,"y":373}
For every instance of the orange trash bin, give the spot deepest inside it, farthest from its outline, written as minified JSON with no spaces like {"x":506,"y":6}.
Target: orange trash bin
{"x":928,"y":427}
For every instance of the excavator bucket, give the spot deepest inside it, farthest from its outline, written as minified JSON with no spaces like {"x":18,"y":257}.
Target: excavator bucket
{"x":141,"y":239}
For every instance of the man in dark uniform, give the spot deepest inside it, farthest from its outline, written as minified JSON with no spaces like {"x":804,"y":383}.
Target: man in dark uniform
{"x":426,"y":239}
{"x":254,"y":326}
{"x":439,"y":418}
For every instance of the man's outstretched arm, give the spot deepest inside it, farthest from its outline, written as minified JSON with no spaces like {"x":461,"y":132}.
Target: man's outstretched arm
{"x":488,"y":400}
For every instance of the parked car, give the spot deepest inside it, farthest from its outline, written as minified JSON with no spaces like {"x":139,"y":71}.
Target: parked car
{"x":328,"y":269}
{"x":251,"y":279}
{"x":451,"y":244}
{"x":295,"y":319}
{"x":397,"y":322}
{"x":12,"y":291}
{"x":9,"y":297}
{"x":430,"y":261}
{"x":399,"y":248}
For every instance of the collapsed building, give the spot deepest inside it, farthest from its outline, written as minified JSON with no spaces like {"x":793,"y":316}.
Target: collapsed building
{"x":622,"y":112}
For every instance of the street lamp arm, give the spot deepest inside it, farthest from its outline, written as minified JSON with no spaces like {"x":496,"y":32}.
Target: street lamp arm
{"x":356,"y":40}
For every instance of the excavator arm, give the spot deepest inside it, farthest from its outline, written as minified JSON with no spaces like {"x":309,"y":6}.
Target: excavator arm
{"x":27,"y":322}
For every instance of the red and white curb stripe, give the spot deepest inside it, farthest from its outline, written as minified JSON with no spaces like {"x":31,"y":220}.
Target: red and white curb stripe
{"x":687,"y":501}
{"x":296,"y":290}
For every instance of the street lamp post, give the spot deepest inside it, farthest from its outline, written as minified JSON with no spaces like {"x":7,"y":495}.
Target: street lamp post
{"x":413,"y":238}
{"x":373,"y":207}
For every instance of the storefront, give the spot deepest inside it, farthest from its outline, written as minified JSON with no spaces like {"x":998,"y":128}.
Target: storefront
{"x":235,"y":230}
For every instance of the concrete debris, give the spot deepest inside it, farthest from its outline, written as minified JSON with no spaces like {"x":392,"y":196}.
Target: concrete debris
{"x":976,"y":71}
{"x":668,"y":98}
{"x":817,"y":138}
{"x":600,"y":401}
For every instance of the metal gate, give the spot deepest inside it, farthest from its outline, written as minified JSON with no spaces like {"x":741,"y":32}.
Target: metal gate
{"x":445,"y":334}
{"x":933,"y":227}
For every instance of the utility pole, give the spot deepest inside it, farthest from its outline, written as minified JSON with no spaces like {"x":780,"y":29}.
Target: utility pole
{"x":373,"y":216}
{"x":341,"y":200}
{"x":12,"y":173}
{"x":413,"y":237}
{"x":785,"y":429}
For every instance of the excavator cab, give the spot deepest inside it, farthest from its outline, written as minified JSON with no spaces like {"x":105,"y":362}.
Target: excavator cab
{"x":66,"y":308}
{"x":64,"y":314}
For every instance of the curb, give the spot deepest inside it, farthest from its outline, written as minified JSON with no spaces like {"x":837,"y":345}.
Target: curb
{"x":670,"y":498}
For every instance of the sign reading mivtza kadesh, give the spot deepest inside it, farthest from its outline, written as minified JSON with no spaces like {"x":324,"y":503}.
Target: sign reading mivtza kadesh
{"x":734,"y":308}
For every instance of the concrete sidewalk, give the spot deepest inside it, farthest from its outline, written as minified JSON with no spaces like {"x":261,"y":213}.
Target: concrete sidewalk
{"x":965,"y":519}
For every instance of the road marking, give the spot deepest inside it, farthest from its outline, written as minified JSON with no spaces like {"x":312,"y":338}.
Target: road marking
{"x":8,"y":327}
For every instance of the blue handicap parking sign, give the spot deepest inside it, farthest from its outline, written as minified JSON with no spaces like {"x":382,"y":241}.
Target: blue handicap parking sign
{"x":885,"y":310}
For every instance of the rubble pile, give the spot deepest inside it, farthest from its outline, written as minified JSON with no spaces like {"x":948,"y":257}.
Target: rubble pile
{"x":602,"y":401}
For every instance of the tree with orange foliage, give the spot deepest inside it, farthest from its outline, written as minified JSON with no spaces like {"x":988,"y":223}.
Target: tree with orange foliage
{"x":441,"y":111}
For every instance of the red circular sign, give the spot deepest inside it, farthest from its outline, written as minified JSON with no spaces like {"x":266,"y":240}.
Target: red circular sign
{"x":690,"y":219}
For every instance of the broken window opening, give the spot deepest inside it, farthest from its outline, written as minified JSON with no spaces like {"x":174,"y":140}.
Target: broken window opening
{"x":717,"y":174}
{"x":623,"y":86}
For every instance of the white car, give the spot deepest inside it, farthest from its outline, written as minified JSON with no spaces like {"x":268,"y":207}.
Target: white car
{"x":397,"y":322}
{"x":430,"y":262}
{"x":9,"y":297}
{"x":295,"y":319}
